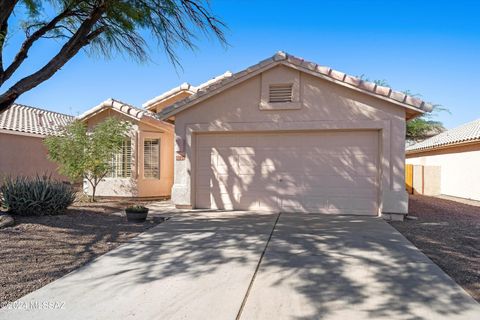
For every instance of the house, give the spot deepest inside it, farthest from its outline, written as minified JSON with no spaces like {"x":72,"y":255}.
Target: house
{"x":144,"y":167}
{"x":22,"y":131}
{"x":289,"y":135}
{"x":282,"y":135}
{"x":454,"y":158}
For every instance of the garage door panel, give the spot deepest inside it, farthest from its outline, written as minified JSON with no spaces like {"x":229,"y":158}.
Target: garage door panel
{"x":231,"y":201}
{"x":244,"y":184}
{"x":337,"y":205}
{"x":330,"y":172}
{"x":327,"y":191}
{"x":255,"y":202}
{"x":318,"y":181}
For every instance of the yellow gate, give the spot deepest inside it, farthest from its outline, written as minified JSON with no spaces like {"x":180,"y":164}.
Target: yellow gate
{"x":409,"y":178}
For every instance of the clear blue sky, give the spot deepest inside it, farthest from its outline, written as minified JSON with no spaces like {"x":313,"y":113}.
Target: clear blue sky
{"x":428,"y":47}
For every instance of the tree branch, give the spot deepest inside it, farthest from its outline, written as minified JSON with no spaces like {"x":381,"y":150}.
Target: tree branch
{"x":6,"y":9}
{"x":3,"y":37}
{"x":27,"y":44}
{"x":69,"y":49}
{"x":95,"y":33}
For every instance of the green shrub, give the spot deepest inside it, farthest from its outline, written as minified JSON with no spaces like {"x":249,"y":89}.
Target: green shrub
{"x":36,"y":196}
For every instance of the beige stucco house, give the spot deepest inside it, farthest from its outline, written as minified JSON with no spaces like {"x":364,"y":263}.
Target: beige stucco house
{"x":144,"y":167}
{"x":453,"y":157}
{"x":282,"y":135}
{"x":22,"y":131}
{"x":289,"y":135}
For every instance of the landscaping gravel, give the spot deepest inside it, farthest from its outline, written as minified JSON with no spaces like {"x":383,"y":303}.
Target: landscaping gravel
{"x":38,"y":250}
{"x":448,"y":232}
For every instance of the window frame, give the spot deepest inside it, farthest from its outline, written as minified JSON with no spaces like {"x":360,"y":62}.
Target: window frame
{"x":158,"y":175}
{"x":125,"y":166}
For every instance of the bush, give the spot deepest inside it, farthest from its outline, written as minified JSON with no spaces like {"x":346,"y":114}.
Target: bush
{"x":36,"y":196}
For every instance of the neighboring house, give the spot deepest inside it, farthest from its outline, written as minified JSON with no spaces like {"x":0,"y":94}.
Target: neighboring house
{"x":290,"y":135}
{"x":144,"y":167}
{"x":22,"y":131}
{"x":456,"y":153}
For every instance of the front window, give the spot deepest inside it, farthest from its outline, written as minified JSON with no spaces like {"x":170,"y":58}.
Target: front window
{"x":151,"y":158}
{"x":121,"y":164}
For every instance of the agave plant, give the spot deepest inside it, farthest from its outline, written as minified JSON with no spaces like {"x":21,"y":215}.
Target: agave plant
{"x":39,"y":195}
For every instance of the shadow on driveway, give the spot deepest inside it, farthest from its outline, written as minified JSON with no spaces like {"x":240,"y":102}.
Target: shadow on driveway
{"x":199,"y":265}
{"x":344,"y":267}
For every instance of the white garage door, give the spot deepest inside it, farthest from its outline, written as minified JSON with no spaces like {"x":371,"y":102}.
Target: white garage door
{"x":326,"y":172}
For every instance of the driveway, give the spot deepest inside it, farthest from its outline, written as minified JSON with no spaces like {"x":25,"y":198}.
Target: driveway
{"x":205,"y":265}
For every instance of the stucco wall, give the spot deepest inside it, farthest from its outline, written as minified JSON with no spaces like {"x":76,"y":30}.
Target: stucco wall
{"x":459,"y":174}
{"x":22,"y":155}
{"x":159,"y":106}
{"x":322,"y":106}
{"x":138,"y":185}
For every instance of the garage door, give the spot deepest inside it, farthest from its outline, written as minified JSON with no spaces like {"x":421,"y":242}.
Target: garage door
{"x":325,"y":172}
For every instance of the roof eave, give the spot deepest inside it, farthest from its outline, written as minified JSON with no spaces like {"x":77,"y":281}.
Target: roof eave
{"x":309,"y":68}
{"x":110,"y":104}
{"x":238,"y":77}
{"x":443,"y":146}
{"x":23,"y":133}
{"x":184,"y":87}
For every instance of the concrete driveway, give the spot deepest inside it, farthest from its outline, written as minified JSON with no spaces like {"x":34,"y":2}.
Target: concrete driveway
{"x":243,"y":265}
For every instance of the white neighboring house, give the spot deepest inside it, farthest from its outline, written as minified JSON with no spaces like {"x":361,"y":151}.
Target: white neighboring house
{"x":457,"y":153}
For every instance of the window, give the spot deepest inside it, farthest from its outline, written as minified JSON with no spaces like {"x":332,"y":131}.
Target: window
{"x":121,"y":164}
{"x":280,"y":93}
{"x":151,"y":158}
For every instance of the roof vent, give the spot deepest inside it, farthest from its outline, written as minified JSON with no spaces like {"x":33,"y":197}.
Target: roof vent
{"x":280,"y":93}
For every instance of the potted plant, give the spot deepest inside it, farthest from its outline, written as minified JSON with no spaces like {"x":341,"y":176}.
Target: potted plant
{"x":136,"y":213}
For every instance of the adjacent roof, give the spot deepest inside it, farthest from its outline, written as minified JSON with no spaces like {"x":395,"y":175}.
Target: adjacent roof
{"x":127,"y":110}
{"x":468,"y":132}
{"x":25,"y":119}
{"x":323,"y":72}
{"x":184,"y":87}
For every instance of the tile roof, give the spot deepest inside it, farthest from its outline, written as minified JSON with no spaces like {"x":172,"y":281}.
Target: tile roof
{"x":120,"y":106}
{"x":21,"y":118}
{"x":320,"y":71}
{"x":468,"y":132}
{"x":187,"y":87}
{"x":126,"y":109}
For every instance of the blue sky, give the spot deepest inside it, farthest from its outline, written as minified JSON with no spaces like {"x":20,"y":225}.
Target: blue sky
{"x":427,"y":47}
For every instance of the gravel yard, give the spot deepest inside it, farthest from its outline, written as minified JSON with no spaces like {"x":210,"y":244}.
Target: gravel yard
{"x":448,"y":232}
{"x":38,"y":250}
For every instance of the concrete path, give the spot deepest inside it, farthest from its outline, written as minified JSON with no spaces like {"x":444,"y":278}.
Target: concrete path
{"x":204,"y":265}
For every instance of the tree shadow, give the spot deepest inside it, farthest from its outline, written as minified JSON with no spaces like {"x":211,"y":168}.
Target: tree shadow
{"x":315,"y":266}
{"x":40,"y":249}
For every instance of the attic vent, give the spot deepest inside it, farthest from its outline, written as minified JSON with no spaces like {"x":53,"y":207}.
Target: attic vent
{"x":280,"y":93}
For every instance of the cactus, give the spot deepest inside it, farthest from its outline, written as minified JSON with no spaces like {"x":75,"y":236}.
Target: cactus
{"x":36,"y":196}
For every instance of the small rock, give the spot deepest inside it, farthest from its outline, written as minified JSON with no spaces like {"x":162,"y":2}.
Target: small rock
{"x":6,"y":220}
